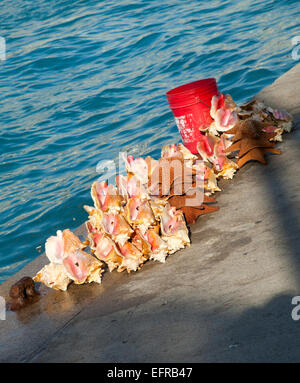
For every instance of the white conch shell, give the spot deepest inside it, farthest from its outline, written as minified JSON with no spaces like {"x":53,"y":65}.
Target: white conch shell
{"x":54,"y":248}
{"x":106,"y":197}
{"x":225,"y":120}
{"x":187,"y":155}
{"x":138,"y":167}
{"x":57,"y":247}
{"x":54,"y":276}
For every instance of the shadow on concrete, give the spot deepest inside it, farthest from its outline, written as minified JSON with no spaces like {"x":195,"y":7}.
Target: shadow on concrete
{"x":260,"y":334}
{"x":287,"y":208}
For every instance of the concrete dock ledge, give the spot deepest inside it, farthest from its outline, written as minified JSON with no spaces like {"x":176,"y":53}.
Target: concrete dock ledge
{"x":227,"y":298}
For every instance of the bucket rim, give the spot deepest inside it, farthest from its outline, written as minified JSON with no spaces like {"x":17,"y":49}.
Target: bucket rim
{"x":207,"y":91}
{"x":211,"y":81}
{"x":207,"y":94}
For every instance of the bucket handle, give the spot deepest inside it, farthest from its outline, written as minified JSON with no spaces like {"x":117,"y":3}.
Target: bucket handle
{"x":199,"y":100}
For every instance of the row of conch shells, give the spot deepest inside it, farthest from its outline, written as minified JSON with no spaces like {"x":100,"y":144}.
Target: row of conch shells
{"x":125,"y":228}
{"x":140,"y":219}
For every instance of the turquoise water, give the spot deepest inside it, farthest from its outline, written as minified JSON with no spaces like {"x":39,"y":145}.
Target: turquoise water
{"x":84,"y":79}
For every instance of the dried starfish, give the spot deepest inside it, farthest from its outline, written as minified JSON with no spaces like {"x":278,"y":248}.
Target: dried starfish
{"x":251,"y":141}
{"x":180,"y":201}
{"x":246,"y":144}
{"x":251,"y":129}
{"x":191,"y":213}
{"x":257,"y":154}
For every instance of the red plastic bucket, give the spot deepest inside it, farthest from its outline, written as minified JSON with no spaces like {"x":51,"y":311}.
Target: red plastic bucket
{"x":190,"y":104}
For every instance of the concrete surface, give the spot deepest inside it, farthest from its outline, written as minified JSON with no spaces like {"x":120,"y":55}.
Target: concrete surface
{"x":225,"y":299}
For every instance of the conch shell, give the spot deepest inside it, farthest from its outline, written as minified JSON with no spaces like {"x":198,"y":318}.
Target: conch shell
{"x":54,"y":276}
{"x":117,"y":227}
{"x":180,"y":152}
{"x":106,"y":197}
{"x":58,"y":246}
{"x":140,"y":242}
{"x":173,"y":228}
{"x":284,"y":119}
{"x":68,"y":262}
{"x":132,"y":257}
{"x":203,"y":173}
{"x":138,"y":167}
{"x":95,"y":217}
{"x":104,"y":248}
{"x":159,"y":248}
{"x":210,"y":181}
{"x":171,"y":151}
{"x":223,"y":112}
{"x":139,"y":213}
{"x":112,"y":224}
{"x":82,"y":267}
{"x":157,"y":206}
{"x":187,"y":155}
{"x":213,"y":149}
{"x":131,"y":187}
{"x":54,"y":248}
{"x":71,"y":241}
{"x":224,"y":166}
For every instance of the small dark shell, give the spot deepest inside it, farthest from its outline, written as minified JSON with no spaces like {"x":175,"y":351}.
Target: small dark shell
{"x":22,"y":293}
{"x":17,"y":303}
